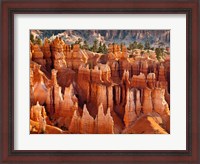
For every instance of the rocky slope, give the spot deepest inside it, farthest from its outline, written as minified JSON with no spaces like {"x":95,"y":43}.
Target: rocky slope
{"x":155,"y":37}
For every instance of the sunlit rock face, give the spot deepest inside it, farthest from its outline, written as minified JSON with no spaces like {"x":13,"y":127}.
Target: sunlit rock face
{"x":130,"y":110}
{"x":38,"y":114}
{"x":147,"y":105}
{"x":38,"y":84}
{"x":58,"y":54}
{"x":145,"y":125}
{"x":151,"y":80}
{"x":36,"y":51}
{"x":64,"y":104}
{"x":138,"y":103}
{"x":75,"y":57}
{"x":161,"y":106}
{"x":37,"y":54}
{"x":86,"y":124}
{"x":104,"y":122}
{"x":73,"y":92}
{"x":46,"y":49}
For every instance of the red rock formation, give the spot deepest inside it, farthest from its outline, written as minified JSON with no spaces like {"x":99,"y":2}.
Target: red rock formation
{"x":116,"y":51}
{"x":167,"y":96}
{"x":64,"y":47}
{"x":111,"y":55}
{"x":87,"y":122}
{"x":144,"y":67}
{"x":106,"y":72}
{"x":84,"y":83}
{"x":96,"y":75}
{"x":161,"y":76}
{"x":125,"y":77}
{"x":38,"y":114}
{"x":147,"y":105}
{"x":47,"y":54}
{"x":75,"y":123}
{"x":110,"y":97}
{"x":138,"y":103}
{"x":130,"y":114}
{"x":58,"y":55}
{"x":161,"y":106}
{"x":30,"y":51}
{"x":36,"y":51}
{"x":117,"y":93}
{"x":75,"y":58}
{"x":100,"y":88}
{"x":124,"y":64}
{"x":68,"y":105}
{"x":118,"y":122}
{"x":110,"y":48}
{"x":145,"y":125}
{"x":31,"y":87}
{"x":123,"y":93}
{"x":68,"y":53}
{"x":35,"y":126}
{"x":57,"y":91}
{"x":39,"y":88}
{"x":135,"y":67}
{"x":139,"y":81}
{"x":37,"y":54}
{"x":115,"y":70}
{"x":151,"y":80}
{"x":124,"y":52}
{"x":104,"y":123}
{"x":46,"y":48}
{"x":159,"y":102}
{"x":49,"y":102}
{"x":56,"y":45}
{"x":64,"y":105}
{"x":102,"y":96}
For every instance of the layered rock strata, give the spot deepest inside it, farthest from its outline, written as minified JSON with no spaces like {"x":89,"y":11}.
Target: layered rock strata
{"x":121,"y":95}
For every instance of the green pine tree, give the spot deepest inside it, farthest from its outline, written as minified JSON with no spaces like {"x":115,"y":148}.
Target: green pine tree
{"x":147,"y":45}
{"x":95,"y":46}
{"x":140,"y":46}
{"x":32,"y":38}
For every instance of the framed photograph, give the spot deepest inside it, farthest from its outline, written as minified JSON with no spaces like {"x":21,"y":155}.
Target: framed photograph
{"x":100,"y":81}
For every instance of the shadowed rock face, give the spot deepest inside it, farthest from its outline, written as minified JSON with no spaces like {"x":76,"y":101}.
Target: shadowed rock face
{"x":116,"y":94}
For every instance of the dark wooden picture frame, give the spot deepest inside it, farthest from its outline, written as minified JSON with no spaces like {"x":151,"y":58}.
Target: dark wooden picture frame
{"x":188,"y":7}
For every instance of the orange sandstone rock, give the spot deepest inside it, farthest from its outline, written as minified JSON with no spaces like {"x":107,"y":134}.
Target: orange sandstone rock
{"x":104,"y":123}
{"x":139,"y":81}
{"x":151,"y":80}
{"x":87,"y":122}
{"x":161,"y":106}
{"x":144,"y":67}
{"x":138,"y":103}
{"x":36,"y":51}
{"x":46,"y":48}
{"x":147,"y":105}
{"x":130,"y":114}
{"x":145,"y":125}
{"x":75,"y":123}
